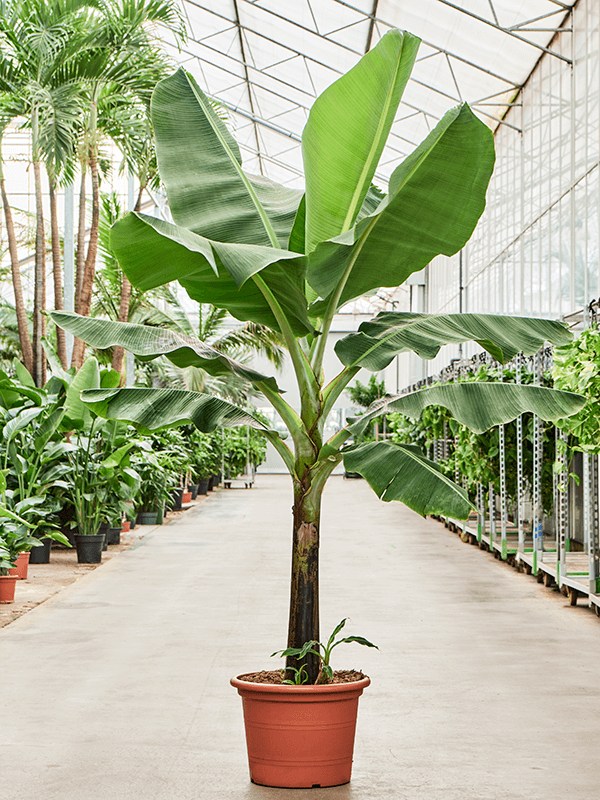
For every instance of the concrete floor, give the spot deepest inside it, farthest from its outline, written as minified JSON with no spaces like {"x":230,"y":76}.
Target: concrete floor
{"x":485,"y":688}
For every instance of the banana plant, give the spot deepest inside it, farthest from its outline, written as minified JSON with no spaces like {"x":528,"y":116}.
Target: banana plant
{"x":290,"y":260}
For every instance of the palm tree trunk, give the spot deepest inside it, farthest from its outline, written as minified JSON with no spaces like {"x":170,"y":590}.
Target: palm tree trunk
{"x":89,"y":271}
{"x":24,"y":338}
{"x":61,"y":344}
{"x":304,"y":593}
{"x":39,"y":295}
{"x":119,"y":352}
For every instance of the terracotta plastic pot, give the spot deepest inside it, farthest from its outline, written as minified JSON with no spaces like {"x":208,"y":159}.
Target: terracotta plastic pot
{"x":300,"y":737}
{"x":7,"y":588}
{"x":186,"y":497}
{"x":21,"y":569}
{"x":125,"y":528}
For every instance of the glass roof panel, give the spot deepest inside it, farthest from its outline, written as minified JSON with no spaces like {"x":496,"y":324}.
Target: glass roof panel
{"x":267,"y":60}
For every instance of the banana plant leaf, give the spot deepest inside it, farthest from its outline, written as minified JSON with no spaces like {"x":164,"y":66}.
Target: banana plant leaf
{"x":149,"y":343}
{"x":381,"y":339}
{"x":436,"y":197}
{"x":479,"y":406}
{"x":152,"y":409}
{"x":221,"y":202}
{"x":401,"y":472}
{"x":342,"y":142}
{"x":153,"y":252}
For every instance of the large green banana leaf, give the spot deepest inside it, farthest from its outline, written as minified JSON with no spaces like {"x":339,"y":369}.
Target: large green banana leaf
{"x":381,"y":339}
{"x":200,"y":164}
{"x":479,"y":406}
{"x":151,"y":409}
{"x":436,"y":196}
{"x":153,"y":252}
{"x":401,"y":472}
{"x":342,"y":141}
{"x":148,"y":343}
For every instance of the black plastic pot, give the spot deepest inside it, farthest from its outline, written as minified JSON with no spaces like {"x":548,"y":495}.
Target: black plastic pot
{"x":103,"y":527}
{"x":203,"y":486}
{"x":193,"y":488}
{"x":147,"y":517}
{"x":113,"y":536}
{"x":41,"y":555}
{"x":89,"y":548}
{"x":176,"y":495}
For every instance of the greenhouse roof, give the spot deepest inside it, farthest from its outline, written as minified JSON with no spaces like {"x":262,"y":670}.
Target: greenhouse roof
{"x":267,"y":60}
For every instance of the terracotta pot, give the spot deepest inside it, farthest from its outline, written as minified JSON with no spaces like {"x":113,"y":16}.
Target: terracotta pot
{"x":7,"y":588}
{"x":300,"y":737}
{"x":21,"y":569}
{"x":186,"y":497}
{"x":125,"y":528}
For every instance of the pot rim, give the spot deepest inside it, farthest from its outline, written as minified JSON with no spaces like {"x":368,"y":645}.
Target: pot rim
{"x":286,"y":688}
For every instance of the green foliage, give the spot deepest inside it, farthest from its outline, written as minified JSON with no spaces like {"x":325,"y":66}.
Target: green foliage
{"x":323,"y":653}
{"x":577,"y":369}
{"x":475,"y":455}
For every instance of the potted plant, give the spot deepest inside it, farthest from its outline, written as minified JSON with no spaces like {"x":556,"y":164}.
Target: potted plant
{"x":290,"y":261}
{"x":153,"y":489}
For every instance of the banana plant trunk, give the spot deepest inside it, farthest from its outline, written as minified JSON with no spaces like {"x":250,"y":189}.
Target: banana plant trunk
{"x":304,"y":591}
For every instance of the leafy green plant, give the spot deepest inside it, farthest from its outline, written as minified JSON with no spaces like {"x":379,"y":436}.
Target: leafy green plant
{"x":322,"y":653}
{"x":577,"y":369}
{"x":290,"y":260}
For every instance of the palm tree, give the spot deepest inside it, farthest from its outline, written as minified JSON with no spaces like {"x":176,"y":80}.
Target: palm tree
{"x":127,"y":64}
{"x":40,"y":43}
{"x":56,"y":61}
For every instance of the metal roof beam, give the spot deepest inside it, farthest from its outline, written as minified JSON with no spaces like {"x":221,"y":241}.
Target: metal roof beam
{"x":434,"y":46}
{"x":508,"y":31}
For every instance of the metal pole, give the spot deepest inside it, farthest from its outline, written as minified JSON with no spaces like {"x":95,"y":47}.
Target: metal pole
{"x":502,"y":457}
{"x":129,"y":357}
{"x":561,"y":506}
{"x":520,"y":509}
{"x":591,"y":519}
{"x":69,"y":262}
{"x":538,"y":453}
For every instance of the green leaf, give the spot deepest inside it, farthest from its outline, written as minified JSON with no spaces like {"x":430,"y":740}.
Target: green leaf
{"x":23,"y":375}
{"x":153,"y":252}
{"x":436,"y":197}
{"x":381,"y":339}
{"x":200,"y":164}
{"x":396,"y":472}
{"x":346,"y":132}
{"x":148,"y":343}
{"x":18,"y":423}
{"x":358,"y":640}
{"x":88,"y":377}
{"x":152,"y":409}
{"x":479,"y":406}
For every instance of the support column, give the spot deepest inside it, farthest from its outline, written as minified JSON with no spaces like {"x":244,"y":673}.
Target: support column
{"x":69,"y":261}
